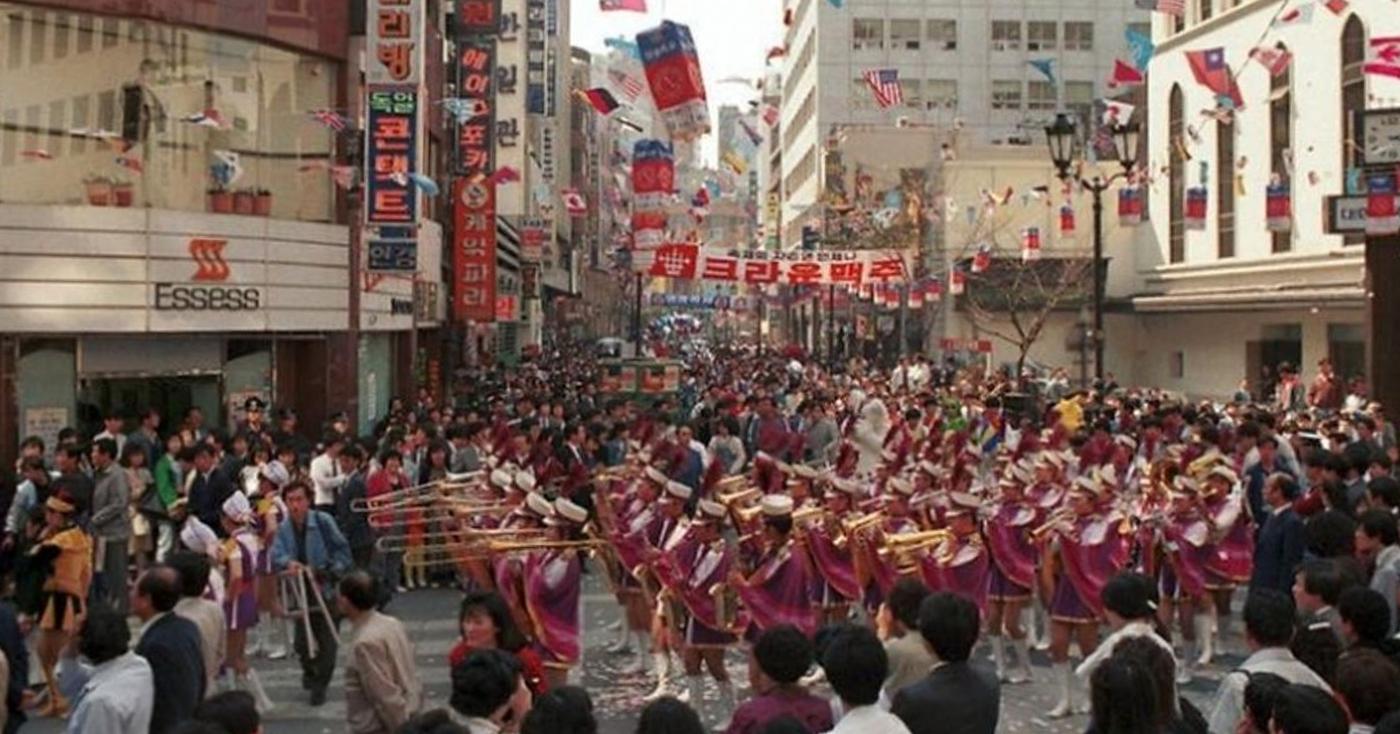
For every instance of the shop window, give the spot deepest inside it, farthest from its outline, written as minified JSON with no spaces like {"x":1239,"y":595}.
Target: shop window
{"x":1006,"y":35}
{"x":867,"y":34}
{"x":1006,"y":95}
{"x":1041,"y":35}
{"x":1079,"y":36}
{"x":905,"y":34}
{"x":943,"y":34}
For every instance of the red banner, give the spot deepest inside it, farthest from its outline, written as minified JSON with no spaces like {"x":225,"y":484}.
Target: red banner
{"x":979,"y":346}
{"x":507,"y":308}
{"x":474,"y":251}
{"x":767,"y":267}
{"x":673,"y":73}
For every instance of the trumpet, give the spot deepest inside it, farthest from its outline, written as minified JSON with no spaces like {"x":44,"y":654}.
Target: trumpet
{"x":461,"y":550}
{"x":916,"y":541}
{"x":738,"y":480}
{"x":741,"y":497}
{"x":1056,"y":521}
{"x":422,"y":494}
{"x":864,"y":522}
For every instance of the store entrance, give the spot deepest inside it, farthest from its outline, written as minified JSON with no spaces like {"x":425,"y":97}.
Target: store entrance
{"x":171,"y":396}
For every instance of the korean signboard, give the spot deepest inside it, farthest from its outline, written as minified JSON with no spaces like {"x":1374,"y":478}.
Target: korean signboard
{"x":395,"y":52}
{"x":392,"y":249}
{"x":534,"y":232}
{"x":478,"y":17}
{"x":474,"y":247}
{"x":476,"y":67}
{"x":391,"y":143}
{"x":537,"y":98}
{"x":767,"y":267}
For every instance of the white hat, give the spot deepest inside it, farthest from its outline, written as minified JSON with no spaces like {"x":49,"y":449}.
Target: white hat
{"x":928,"y":467}
{"x":536,"y":503}
{"x":680,"y":491}
{"x":1126,"y":440}
{"x":656,"y":475}
{"x":198,"y":537}
{"x":568,"y":510}
{"x":274,"y":472}
{"x":962,"y":503}
{"x":900,"y":486}
{"x":711,"y":512}
{"x":1108,"y":474}
{"x":1086,"y":483}
{"x":237,"y":509}
{"x":502,"y":478}
{"x":1054,"y":458}
{"x":525,"y":481}
{"x":845,"y":486}
{"x":1021,"y":474}
{"x":777,"y":505}
{"x":1186,"y":484}
{"x":1224,"y":472}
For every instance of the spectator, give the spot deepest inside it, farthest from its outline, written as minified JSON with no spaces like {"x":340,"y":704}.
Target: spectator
{"x":382,"y":690}
{"x":235,"y":711}
{"x":1268,"y":628}
{"x":327,"y":475}
{"x":209,"y":489}
{"x":111,"y":497}
{"x":17,"y":669}
{"x":1389,"y":724}
{"x":1260,"y":695}
{"x":488,"y":692}
{"x":171,"y":644}
{"x":564,"y":710}
{"x":1123,"y":698}
{"x":207,"y":615}
{"x":1317,"y":586}
{"x":355,"y":525}
{"x":855,"y":665}
{"x":1368,"y":685}
{"x":1378,"y":542}
{"x":898,"y":625}
{"x":955,"y":697}
{"x":1176,"y":714}
{"x":1366,"y":621}
{"x":1130,"y":605}
{"x":437,"y":721}
{"x":114,"y":692}
{"x":486,"y":623}
{"x":666,"y":715}
{"x":1258,"y":474}
{"x":779,"y":658}
{"x":1280,"y":545}
{"x":1303,"y":709}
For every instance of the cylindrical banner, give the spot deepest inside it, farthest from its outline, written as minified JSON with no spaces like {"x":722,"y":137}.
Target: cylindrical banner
{"x":1381,"y":213}
{"x":1066,"y":220}
{"x":1129,"y":206}
{"x":653,"y":175}
{"x":958,"y":283}
{"x":1279,"y":208}
{"x":1197,"y":203}
{"x":673,"y":73}
{"x":1030,"y":244}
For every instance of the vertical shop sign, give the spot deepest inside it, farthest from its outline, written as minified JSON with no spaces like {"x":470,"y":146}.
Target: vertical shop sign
{"x":395,"y":29}
{"x":391,"y":154}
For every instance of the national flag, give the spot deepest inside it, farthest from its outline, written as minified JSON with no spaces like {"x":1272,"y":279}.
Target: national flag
{"x":1383,"y":57}
{"x":1300,"y":15}
{"x":330,"y":119}
{"x":776,"y":52}
{"x":1030,"y":244}
{"x":1117,"y":113}
{"x":1274,"y":58}
{"x":636,"y":6}
{"x":574,"y":203}
{"x":1169,"y":7}
{"x":982,"y":260}
{"x":1210,"y":70}
{"x":1124,"y":74}
{"x":601,"y":99}
{"x":628,"y":84}
{"x":884,"y":83}
{"x":209,"y":117}
{"x":1141,"y":47}
{"x":504,"y":175}
{"x":1336,"y":6}
{"x":1045,"y":67}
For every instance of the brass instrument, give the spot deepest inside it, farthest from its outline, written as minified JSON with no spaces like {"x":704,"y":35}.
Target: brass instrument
{"x":807,"y":513}
{"x":423,"y":494}
{"x":381,"y":519}
{"x":743,"y":497}
{"x":1054,"y":521}
{"x":905,"y":548}
{"x":726,"y":606}
{"x":451,"y":541}
{"x":865,"y":522}
{"x":738,"y":480}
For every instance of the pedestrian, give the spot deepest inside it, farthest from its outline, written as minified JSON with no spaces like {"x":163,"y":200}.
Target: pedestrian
{"x":326,"y":475}
{"x":382,"y":689}
{"x":208,"y":488}
{"x":114,"y":691}
{"x":669,"y":715}
{"x":856,"y":665}
{"x":564,"y":710}
{"x":1366,"y":621}
{"x":141,"y":488}
{"x":1368,"y":685}
{"x":1123,"y":698}
{"x":898,"y":624}
{"x":169,"y":480}
{"x":111,"y":528}
{"x":233,"y":711}
{"x":1378,"y":543}
{"x":206,"y":614}
{"x":955,"y":697}
{"x":1268,"y":629}
{"x":1303,"y":709}
{"x":171,"y":644}
{"x":354,"y":523}
{"x":486,"y":623}
{"x":66,"y":551}
{"x":1279,"y":549}
{"x":488,"y":692}
{"x":311,"y":551}
{"x":777,"y":662}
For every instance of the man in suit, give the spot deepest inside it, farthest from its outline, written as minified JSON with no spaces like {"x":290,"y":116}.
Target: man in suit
{"x":955,"y":697}
{"x":209,"y":489}
{"x":1281,"y":540}
{"x":171,"y":644}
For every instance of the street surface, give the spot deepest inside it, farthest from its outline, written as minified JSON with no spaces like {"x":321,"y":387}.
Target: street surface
{"x":430,"y":616}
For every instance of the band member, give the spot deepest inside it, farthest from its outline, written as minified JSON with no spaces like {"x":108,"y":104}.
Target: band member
{"x":961,"y":563}
{"x":637,"y":517}
{"x":1233,"y":560}
{"x":836,"y":583}
{"x":777,"y":591}
{"x":508,"y":570}
{"x":1184,"y":540}
{"x":241,"y":551}
{"x":694,"y":577}
{"x":268,"y":513}
{"x":1012,"y":575}
{"x":67,"y":551}
{"x":552,"y":580}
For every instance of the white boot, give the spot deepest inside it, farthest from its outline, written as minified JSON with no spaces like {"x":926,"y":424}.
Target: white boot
{"x":695,"y":694}
{"x":726,"y":703}
{"x":255,"y":640}
{"x":661,"y":662}
{"x":252,"y":685}
{"x":1065,"y":677}
{"x":1023,"y":651}
{"x":999,"y":656}
{"x":1183,"y":666}
{"x":1204,"y":624}
{"x":1038,"y":614}
{"x":276,"y":647}
{"x":621,"y":645}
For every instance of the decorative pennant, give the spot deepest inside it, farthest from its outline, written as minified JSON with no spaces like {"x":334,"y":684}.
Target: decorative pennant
{"x":1383,"y":57}
{"x":600,"y":99}
{"x":464,"y":109}
{"x":330,"y":119}
{"x":1141,"y":47}
{"x":1045,"y":66}
{"x":574,"y":203}
{"x":1197,"y":202}
{"x":504,"y":175}
{"x":1124,"y":75}
{"x":1030,"y":244}
{"x":209,"y":117}
{"x":1275,"y":59}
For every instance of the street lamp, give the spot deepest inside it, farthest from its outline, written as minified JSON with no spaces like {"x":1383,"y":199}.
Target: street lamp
{"x":1063,"y":141}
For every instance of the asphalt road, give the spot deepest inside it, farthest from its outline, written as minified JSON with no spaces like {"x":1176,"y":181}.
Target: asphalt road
{"x":430,"y":616}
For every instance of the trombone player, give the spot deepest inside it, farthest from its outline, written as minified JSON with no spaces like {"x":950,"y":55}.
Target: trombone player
{"x":552,"y":584}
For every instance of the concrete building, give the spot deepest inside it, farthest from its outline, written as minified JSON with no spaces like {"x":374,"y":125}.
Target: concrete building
{"x":1231,"y":300}
{"x":957,"y":62}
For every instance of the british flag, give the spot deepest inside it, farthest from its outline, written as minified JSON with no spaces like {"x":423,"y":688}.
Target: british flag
{"x":330,"y":119}
{"x":884,"y":83}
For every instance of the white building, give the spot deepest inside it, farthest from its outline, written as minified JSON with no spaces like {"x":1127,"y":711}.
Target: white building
{"x":965,"y":62}
{"x":1230,"y":300}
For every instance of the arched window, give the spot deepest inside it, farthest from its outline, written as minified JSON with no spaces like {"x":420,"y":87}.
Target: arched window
{"x":1225,"y":189}
{"x":1353,"y":95}
{"x":1176,"y":131}
{"x":1281,"y":140}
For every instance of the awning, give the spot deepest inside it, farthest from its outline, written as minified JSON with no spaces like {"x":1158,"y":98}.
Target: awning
{"x":1251,"y":299}
{"x":507,"y":244}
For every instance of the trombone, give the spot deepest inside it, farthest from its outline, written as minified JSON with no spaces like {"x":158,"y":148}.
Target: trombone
{"x":459,"y":550}
{"x":453,"y":511}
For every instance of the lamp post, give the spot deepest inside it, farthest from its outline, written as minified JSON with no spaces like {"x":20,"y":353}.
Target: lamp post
{"x":1063,"y":140}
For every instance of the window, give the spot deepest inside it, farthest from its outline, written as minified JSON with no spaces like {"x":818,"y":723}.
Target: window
{"x":1041,"y":35}
{"x":943,"y":34}
{"x":1079,"y":36}
{"x":941,"y":94}
{"x":15,"y":43}
{"x":80,"y":119}
{"x":1006,"y":35}
{"x":111,"y":31}
{"x":1280,"y":142}
{"x":1006,"y":95}
{"x":57,"y":126}
{"x":84,"y":33}
{"x":1040,"y":95}
{"x":867,"y":34}
{"x":1176,"y":177}
{"x":1225,"y":190}
{"x":905,"y":34}
{"x":1353,"y":95}
{"x":61,"y":26}
{"x":1079,"y":101}
{"x":1206,"y":9}
{"x":913,"y":94}
{"x":38,"y":36}
{"x":1177,"y":365}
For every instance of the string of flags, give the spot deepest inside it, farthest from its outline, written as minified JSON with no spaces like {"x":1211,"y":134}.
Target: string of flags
{"x":635,"y":6}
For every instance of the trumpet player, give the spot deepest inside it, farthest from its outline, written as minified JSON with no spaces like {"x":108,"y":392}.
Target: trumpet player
{"x":1012,"y":575}
{"x":637,"y":516}
{"x":960,"y":564}
{"x":777,"y":591}
{"x":552,"y":581}
{"x":837,"y":585}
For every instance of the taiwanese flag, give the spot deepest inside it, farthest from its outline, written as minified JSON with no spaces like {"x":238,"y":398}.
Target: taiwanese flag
{"x":982,"y":260}
{"x":602,"y":100}
{"x":1213,"y":73}
{"x":1066,"y":220}
{"x":1381,"y":214}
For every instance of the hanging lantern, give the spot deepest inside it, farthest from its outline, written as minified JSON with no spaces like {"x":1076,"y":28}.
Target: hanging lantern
{"x":1066,"y":220}
{"x":1129,"y":206}
{"x":1279,"y":207}
{"x":982,"y":260}
{"x":1381,"y":213}
{"x":916,"y":295}
{"x":1197,"y":202}
{"x":957,"y":283}
{"x":933,"y":292}
{"x":1030,"y":244}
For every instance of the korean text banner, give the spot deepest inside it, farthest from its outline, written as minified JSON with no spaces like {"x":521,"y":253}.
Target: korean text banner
{"x":396,"y":52}
{"x":673,"y":73}
{"x":766,"y":267}
{"x":653,"y":175}
{"x":391,"y":144}
{"x":474,"y":251}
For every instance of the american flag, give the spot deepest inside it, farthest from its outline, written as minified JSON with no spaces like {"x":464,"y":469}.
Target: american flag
{"x":885,"y":84}
{"x":627,"y":84}
{"x":1169,"y":7}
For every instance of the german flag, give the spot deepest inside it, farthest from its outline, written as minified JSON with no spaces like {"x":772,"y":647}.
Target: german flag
{"x":601,"y":99}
